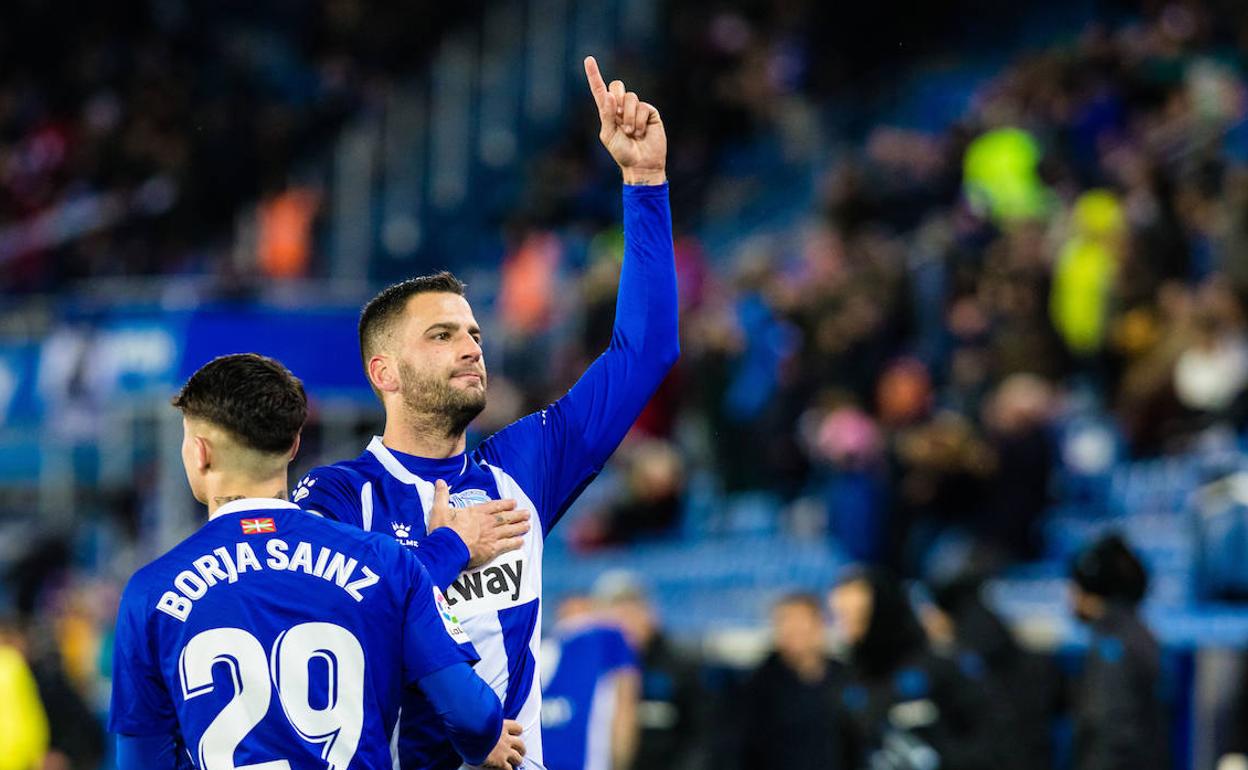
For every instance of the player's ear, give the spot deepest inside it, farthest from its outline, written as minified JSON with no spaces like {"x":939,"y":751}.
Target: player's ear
{"x":383,"y":374}
{"x":294,"y":449}
{"x":202,"y":453}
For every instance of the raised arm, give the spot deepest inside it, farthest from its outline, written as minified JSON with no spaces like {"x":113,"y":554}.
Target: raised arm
{"x":556,"y":452}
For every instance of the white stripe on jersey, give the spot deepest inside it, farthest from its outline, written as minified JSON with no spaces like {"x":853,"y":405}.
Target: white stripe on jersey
{"x":487,"y":637}
{"x":366,"y":505}
{"x":396,"y":469}
{"x":394,"y":743}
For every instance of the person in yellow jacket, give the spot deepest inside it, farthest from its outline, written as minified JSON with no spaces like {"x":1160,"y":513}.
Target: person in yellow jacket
{"x":1086,"y":271}
{"x":23,"y":723}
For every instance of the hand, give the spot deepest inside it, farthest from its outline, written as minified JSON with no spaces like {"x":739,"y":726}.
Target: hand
{"x":488,"y":529}
{"x":632,"y":130}
{"x":509,"y":752}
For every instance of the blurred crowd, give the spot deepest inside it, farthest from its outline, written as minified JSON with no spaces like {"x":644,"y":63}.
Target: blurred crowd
{"x":131,"y":137}
{"x":894,"y":370}
{"x":906,"y":357}
{"x":925,"y":676}
{"x":902,"y":357}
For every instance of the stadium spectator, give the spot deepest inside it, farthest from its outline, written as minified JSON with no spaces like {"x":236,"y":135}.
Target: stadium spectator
{"x":1211,"y":372}
{"x":1234,"y":750}
{"x":788,"y":713}
{"x":23,"y":722}
{"x":75,"y":733}
{"x":1118,"y":715}
{"x":672,"y":711}
{"x":846,"y":451}
{"x":650,"y":505}
{"x":1022,"y":689}
{"x":909,"y":708}
{"x":61,"y":626}
{"x":942,"y":466}
{"x":1018,"y":421}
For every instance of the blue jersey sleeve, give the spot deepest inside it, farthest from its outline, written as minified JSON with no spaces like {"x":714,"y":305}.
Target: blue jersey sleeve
{"x":432,"y":636}
{"x":149,"y":752}
{"x":338,"y":494}
{"x":468,"y":708}
{"x":141,"y":704}
{"x":616,"y":652}
{"x":444,"y":554}
{"x":556,"y":452}
{"x":332,"y":492}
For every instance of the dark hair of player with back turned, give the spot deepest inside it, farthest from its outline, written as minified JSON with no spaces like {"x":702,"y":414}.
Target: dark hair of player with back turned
{"x":253,"y":397}
{"x":387,"y":307}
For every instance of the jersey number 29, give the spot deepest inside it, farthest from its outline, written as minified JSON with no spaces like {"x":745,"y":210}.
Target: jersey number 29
{"x":337,"y":726}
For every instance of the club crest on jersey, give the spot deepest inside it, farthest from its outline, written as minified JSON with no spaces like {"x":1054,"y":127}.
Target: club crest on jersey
{"x":304,"y":489}
{"x":468,"y":498}
{"x":257,"y":526}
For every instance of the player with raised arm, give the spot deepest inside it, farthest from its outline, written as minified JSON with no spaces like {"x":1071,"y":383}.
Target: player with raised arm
{"x":270,"y":639}
{"x":422,"y":353}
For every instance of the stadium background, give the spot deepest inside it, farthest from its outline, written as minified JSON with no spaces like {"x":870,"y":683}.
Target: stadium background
{"x":961,"y":283}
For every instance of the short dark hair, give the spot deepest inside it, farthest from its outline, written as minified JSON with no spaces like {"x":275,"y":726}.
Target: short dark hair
{"x":253,"y":397}
{"x":383,"y":309}
{"x":1110,"y":569}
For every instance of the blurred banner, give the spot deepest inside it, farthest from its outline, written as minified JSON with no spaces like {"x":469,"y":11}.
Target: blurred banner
{"x":136,"y":354}
{"x":320,"y":346}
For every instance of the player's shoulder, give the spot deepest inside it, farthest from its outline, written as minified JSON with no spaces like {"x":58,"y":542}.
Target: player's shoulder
{"x":525,"y":428}
{"x":159,"y":573}
{"x":517,"y":443}
{"x":603,"y":634}
{"x":342,"y":472}
{"x":588,"y":633}
{"x":351,"y":536}
{"x":344,"y":478}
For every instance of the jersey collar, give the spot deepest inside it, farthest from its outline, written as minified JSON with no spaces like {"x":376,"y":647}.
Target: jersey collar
{"x":395,"y":467}
{"x":251,"y":504}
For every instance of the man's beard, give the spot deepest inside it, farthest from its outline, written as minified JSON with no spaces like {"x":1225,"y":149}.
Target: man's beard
{"x":429,"y":398}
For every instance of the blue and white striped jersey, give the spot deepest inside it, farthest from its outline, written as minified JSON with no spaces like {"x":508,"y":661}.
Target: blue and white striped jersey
{"x":543,"y":461}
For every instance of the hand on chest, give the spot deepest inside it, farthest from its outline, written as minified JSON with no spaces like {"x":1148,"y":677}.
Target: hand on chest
{"x":409,"y":508}
{"x":493,"y":582}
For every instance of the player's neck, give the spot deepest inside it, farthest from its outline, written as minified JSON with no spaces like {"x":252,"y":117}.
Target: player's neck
{"x":423,"y":438}
{"x":229,"y":490}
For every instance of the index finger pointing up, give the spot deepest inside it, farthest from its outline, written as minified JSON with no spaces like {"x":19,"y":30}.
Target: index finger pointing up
{"x":597,"y":86}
